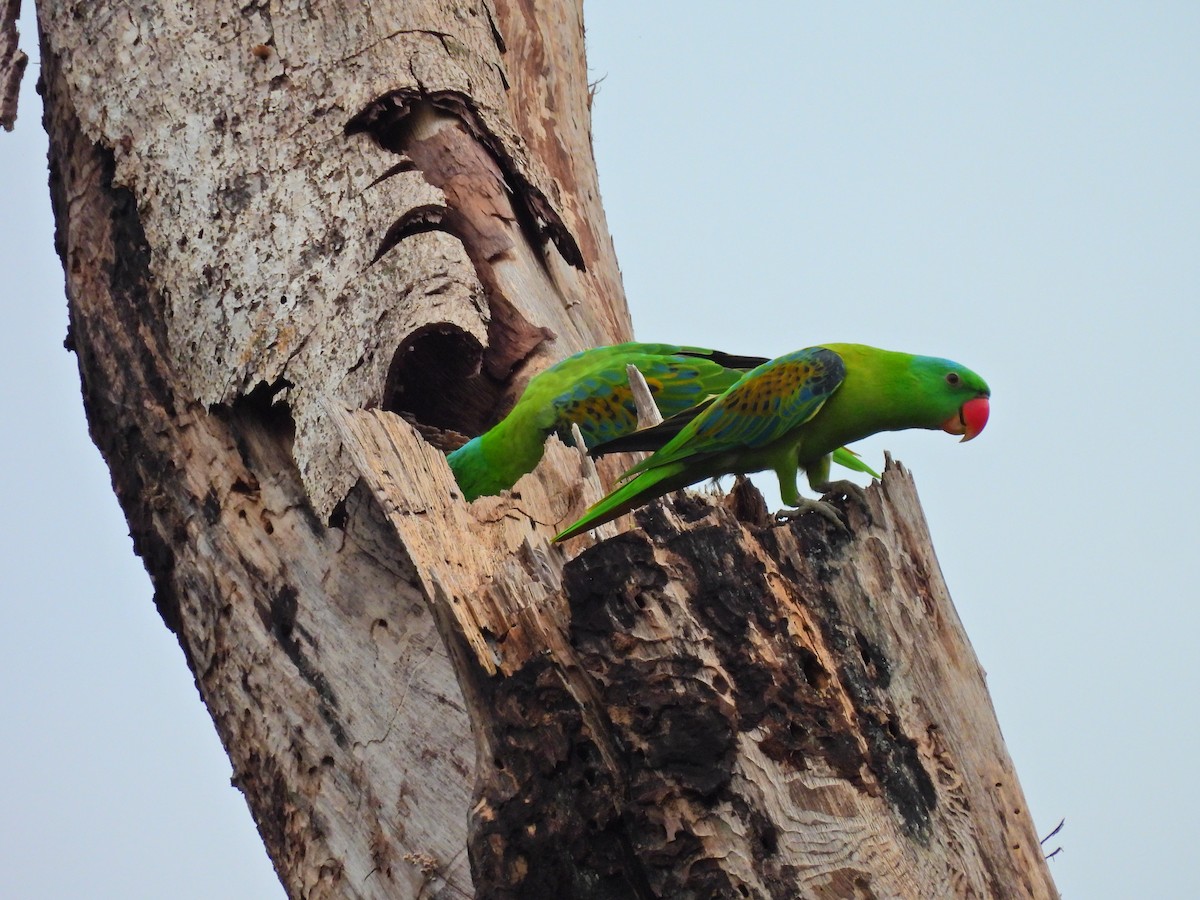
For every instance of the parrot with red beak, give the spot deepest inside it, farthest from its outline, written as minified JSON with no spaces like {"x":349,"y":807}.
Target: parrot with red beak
{"x":792,"y":413}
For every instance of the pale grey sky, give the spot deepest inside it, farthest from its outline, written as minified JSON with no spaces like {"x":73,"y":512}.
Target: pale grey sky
{"x":1013,"y":186}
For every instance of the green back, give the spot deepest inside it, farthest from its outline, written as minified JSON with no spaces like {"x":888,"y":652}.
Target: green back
{"x":590,"y":390}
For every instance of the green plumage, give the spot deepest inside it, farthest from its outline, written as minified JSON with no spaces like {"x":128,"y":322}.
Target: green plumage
{"x":793,"y":413}
{"x":591,"y":390}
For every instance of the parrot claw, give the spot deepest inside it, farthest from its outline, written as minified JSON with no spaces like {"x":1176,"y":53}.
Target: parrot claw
{"x":842,"y":488}
{"x":820,"y":507}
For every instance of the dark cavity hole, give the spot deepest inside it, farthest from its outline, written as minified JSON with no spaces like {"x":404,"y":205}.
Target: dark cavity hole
{"x":768,"y":838}
{"x":864,"y":648}
{"x":814,"y":673}
{"x":339,"y":515}
{"x":436,"y":381}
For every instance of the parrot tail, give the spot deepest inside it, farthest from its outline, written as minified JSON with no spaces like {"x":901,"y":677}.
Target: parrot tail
{"x":646,"y":486}
{"x":726,"y":360}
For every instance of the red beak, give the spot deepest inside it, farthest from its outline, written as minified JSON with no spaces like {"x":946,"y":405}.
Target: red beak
{"x":970,"y":419}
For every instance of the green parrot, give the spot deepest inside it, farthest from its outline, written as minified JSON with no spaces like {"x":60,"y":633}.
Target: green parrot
{"x":591,"y":389}
{"x":792,"y":413}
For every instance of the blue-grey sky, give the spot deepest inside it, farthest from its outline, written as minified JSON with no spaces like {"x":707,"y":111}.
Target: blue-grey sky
{"x":1013,"y":186}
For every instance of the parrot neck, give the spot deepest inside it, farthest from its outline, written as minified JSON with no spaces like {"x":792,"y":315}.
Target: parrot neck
{"x":493,"y":461}
{"x":881,"y":392}
{"x":469,"y":468}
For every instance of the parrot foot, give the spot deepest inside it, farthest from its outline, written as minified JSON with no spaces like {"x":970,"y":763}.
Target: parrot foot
{"x":843,"y":488}
{"x":820,"y":507}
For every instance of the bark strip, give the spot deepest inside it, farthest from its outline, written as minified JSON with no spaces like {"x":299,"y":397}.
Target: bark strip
{"x":13,"y":61}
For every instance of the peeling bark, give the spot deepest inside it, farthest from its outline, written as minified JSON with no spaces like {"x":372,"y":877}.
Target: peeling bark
{"x":348,"y":233}
{"x":13,"y":61}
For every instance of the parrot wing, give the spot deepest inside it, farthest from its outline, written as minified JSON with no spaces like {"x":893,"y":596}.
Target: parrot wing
{"x":601,"y":402}
{"x":763,"y":406}
{"x":655,"y":437}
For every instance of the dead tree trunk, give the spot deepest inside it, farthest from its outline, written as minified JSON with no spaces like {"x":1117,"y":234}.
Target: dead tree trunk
{"x":290,"y":232}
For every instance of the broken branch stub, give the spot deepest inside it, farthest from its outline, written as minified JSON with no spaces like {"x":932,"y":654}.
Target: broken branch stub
{"x":648,"y":414}
{"x":741,"y":715}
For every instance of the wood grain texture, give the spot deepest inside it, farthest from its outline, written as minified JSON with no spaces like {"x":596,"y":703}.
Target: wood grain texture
{"x":275,"y":214}
{"x":710,"y":705}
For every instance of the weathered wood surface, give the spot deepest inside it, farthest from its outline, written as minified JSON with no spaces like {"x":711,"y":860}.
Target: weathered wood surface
{"x":220,"y":239}
{"x":311,"y":649}
{"x":711,"y":707}
{"x":13,"y":61}
{"x":266,"y":171}
{"x":341,"y":212}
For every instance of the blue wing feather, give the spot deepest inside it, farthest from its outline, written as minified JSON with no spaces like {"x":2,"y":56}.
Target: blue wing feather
{"x":762,"y":407}
{"x":602,"y":405}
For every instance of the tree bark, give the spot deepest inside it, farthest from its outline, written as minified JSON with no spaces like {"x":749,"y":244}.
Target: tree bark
{"x":12,"y":63}
{"x":297,"y":237}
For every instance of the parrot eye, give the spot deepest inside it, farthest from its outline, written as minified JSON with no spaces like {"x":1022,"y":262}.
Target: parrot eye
{"x":953,"y":379}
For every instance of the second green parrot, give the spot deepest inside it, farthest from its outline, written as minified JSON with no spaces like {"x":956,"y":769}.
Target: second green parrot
{"x":793,"y":413}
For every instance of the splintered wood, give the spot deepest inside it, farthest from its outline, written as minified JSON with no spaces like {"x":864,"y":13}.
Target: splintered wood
{"x":739,"y":704}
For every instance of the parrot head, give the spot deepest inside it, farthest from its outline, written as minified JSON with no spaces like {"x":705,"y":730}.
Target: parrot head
{"x":958,"y":397}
